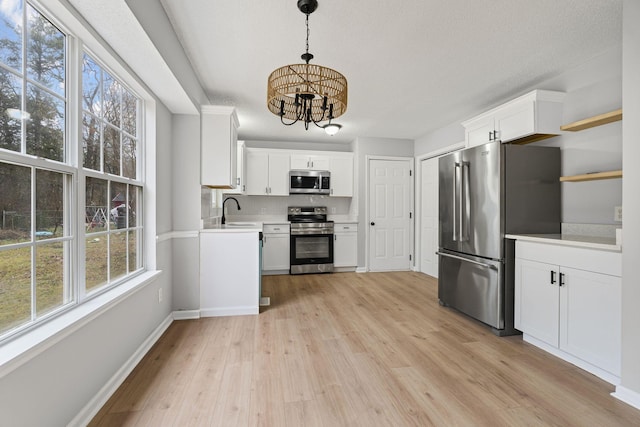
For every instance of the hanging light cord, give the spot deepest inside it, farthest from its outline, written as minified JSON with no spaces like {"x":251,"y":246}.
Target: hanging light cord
{"x":307,"y":50}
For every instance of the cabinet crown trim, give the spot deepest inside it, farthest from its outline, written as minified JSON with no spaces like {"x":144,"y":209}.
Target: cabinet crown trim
{"x":221,"y":109}
{"x":535,"y":95}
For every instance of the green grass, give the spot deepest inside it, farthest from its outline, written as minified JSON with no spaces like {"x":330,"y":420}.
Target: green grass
{"x":15,"y":274}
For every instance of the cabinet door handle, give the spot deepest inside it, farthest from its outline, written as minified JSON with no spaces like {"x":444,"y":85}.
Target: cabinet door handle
{"x":561,"y":279}
{"x":335,"y":237}
{"x":553,"y":277}
{"x":238,"y":180}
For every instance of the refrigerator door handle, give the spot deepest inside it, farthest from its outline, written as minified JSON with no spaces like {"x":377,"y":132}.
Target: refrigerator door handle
{"x":464,"y":202}
{"x":458,"y":178}
{"x":493,"y":267}
{"x":455,"y":200}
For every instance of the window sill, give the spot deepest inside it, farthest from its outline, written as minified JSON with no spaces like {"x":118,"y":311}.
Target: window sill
{"x":23,"y":348}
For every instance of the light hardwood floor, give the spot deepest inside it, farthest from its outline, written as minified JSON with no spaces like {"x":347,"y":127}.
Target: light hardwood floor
{"x":349,"y":349}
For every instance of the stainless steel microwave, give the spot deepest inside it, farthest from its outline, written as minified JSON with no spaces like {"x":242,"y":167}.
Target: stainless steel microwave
{"x":309,"y":182}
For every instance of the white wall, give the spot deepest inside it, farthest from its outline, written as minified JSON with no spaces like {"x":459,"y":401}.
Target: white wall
{"x":439,"y":139}
{"x":631,"y":188}
{"x":592,"y":88}
{"x":186,"y":197}
{"x":287,"y":145}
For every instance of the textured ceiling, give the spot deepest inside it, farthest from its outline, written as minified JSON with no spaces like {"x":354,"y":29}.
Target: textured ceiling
{"x":412,"y":65}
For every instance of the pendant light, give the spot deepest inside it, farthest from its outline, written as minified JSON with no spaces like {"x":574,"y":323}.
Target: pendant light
{"x":307,"y":93}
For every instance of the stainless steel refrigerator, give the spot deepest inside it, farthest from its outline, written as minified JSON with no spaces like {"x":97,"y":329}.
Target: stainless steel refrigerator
{"x":486,"y":192}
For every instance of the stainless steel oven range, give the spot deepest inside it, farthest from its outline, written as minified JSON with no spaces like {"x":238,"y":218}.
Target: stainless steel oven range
{"x":311,"y":240}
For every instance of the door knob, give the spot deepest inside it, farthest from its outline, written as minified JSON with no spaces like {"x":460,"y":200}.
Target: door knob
{"x":373,"y":223}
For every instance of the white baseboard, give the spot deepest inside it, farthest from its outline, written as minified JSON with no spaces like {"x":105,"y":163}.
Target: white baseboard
{"x":598,"y":372}
{"x":629,"y":397}
{"x":186,"y":314}
{"x":361,"y":270}
{"x":229,"y":311}
{"x":343,"y":269}
{"x":97,"y":402}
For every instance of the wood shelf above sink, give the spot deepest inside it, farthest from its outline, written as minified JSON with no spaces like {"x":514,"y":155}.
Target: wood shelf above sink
{"x":601,"y":119}
{"x":592,"y":176}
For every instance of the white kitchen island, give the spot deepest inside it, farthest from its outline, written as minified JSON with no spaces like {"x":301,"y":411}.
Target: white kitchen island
{"x":230,"y":270}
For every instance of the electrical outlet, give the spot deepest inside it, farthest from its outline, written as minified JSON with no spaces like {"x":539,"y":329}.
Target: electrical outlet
{"x":263,"y":211}
{"x":617,"y":213}
{"x":333,"y":210}
{"x":159,"y":294}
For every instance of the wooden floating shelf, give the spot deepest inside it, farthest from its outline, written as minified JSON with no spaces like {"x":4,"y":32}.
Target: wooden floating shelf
{"x":592,"y":176}
{"x":601,"y":119}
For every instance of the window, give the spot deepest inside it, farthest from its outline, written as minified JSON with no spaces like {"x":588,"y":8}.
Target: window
{"x":51,"y":258}
{"x":109,"y":146}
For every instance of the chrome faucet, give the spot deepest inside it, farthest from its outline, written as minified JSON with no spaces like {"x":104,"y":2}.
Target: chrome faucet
{"x":225,"y":201}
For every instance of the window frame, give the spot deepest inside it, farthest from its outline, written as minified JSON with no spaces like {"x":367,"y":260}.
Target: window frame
{"x":80,"y":39}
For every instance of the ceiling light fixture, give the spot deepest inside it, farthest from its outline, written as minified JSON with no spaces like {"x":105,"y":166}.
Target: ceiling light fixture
{"x":307,"y":92}
{"x":332,"y":128}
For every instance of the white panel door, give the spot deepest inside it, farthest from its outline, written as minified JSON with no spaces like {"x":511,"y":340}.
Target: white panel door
{"x":389,"y":215}
{"x":429,"y":216}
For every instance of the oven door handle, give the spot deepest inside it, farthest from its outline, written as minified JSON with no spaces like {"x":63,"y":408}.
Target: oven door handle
{"x":309,"y":232}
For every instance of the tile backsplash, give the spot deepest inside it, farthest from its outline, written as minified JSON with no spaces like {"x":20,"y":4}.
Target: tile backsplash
{"x":596,"y":230}
{"x":268,"y":206}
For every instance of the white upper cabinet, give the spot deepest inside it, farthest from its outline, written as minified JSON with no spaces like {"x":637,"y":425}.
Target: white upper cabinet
{"x":267,"y":172}
{"x":241,"y":172}
{"x":218,"y":146}
{"x":310,"y":162}
{"x":531,"y":117}
{"x":341,"y":168}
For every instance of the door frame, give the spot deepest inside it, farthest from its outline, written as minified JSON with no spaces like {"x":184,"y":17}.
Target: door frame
{"x":367,"y":237}
{"x":418,"y":195}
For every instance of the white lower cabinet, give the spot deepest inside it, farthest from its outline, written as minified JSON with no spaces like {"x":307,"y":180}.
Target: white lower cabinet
{"x":229,"y":273}
{"x":568,"y":301}
{"x":345,"y":245}
{"x":275,"y":248}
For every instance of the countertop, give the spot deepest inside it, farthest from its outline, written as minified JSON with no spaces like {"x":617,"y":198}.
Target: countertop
{"x":581,"y":241}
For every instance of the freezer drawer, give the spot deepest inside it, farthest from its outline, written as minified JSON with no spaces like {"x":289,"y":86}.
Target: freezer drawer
{"x":472,"y":285}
